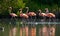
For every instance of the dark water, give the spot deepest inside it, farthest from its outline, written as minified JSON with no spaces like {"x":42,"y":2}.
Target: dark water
{"x":10,"y":23}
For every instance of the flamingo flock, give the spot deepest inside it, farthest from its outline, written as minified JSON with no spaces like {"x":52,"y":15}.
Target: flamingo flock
{"x":45,"y":30}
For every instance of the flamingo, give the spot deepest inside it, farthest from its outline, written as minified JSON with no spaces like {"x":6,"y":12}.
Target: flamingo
{"x":31,"y":14}
{"x":13,"y":15}
{"x":50,"y":15}
{"x":42,"y":15}
{"x":25,"y":16}
{"x":44,"y":28}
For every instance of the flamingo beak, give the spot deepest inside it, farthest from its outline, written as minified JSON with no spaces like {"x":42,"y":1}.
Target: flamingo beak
{"x":27,"y":7}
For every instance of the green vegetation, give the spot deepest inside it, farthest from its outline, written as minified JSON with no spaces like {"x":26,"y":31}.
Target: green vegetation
{"x":33,"y":5}
{"x":5,"y":4}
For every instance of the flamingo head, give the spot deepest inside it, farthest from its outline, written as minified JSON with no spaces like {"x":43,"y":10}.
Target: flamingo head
{"x":46,"y":10}
{"x":27,"y":7}
{"x":39,"y":10}
{"x":20,"y":10}
{"x":10,"y":8}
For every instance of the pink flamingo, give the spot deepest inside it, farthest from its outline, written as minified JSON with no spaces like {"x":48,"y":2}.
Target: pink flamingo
{"x":50,"y":15}
{"x":13,"y":30}
{"x":13,"y":15}
{"x":42,"y":14}
{"x":25,"y":16}
{"x":44,"y":28}
{"x":31,"y":14}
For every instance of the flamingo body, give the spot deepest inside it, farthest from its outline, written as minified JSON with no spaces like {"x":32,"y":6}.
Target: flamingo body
{"x":23,"y":15}
{"x":50,"y":15}
{"x":42,"y":14}
{"x":13,"y":14}
{"x":31,"y":14}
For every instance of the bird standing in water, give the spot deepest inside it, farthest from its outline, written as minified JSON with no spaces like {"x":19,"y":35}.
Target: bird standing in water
{"x":43,"y":30}
{"x":24,"y":27}
{"x":13,"y":16}
{"x":32,"y":31}
{"x":51,"y":29}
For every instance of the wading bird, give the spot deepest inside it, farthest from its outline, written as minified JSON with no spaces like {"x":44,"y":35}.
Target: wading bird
{"x":33,"y":29}
{"x":13,"y":15}
{"x":50,"y":15}
{"x":43,"y":15}
{"x":25,"y":29}
{"x":31,"y":14}
{"x":44,"y":28}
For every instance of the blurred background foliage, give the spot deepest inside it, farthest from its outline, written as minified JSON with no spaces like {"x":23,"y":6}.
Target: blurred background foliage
{"x":33,"y":5}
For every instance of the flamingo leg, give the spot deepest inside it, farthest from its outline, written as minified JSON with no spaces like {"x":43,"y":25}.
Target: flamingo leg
{"x":35,"y":18}
{"x":11,"y":32}
{"x":22,"y":28}
{"x":25,"y":28}
{"x":49,"y":26}
{"x":33,"y":28}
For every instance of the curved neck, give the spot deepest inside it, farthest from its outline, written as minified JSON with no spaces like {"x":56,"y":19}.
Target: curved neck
{"x":20,"y":11}
{"x":27,"y":10}
{"x":47,"y":11}
{"x":10,"y":10}
{"x":40,"y":11}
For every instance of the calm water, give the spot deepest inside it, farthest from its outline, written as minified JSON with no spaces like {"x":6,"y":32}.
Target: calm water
{"x":8,"y":24}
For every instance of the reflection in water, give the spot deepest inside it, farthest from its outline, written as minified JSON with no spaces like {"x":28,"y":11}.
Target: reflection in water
{"x":10,"y":27}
